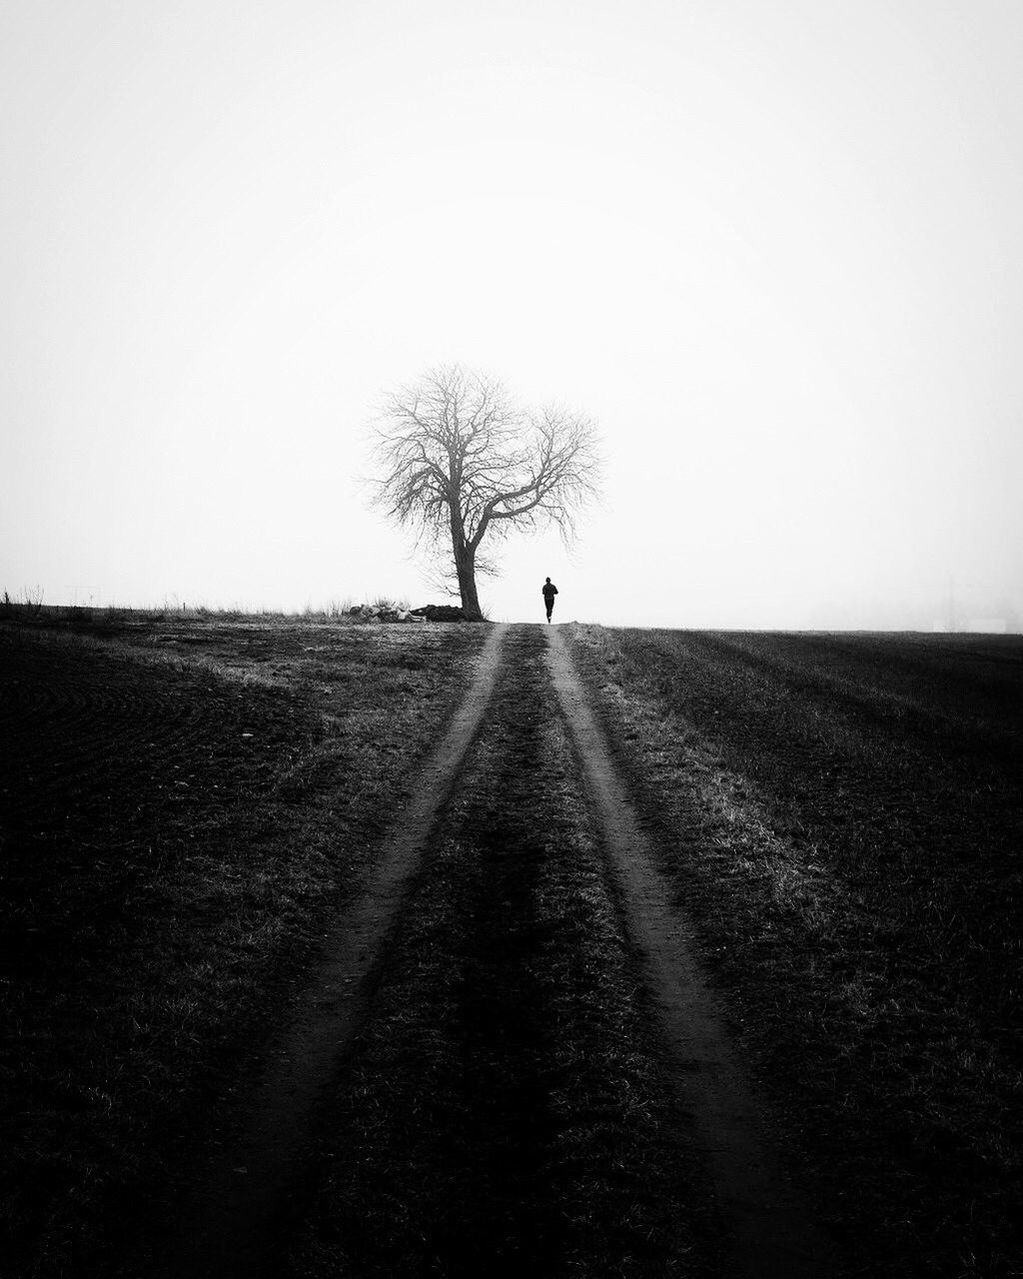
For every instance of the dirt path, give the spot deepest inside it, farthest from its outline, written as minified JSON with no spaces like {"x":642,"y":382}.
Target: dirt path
{"x":505,"y":1110}
{"x":227,"y":1226}
{"x":490,"y":874}
{"x":770,"y":1231}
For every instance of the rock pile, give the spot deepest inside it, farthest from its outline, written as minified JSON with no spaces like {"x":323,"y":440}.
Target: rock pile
{"x":428,"y":613}
{"x":374,"y":613}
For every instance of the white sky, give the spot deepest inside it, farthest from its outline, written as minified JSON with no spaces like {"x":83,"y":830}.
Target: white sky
{"x":772,"y":246}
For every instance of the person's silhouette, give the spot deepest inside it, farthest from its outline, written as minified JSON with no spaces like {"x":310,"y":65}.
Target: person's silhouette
{"x":549,"y":592}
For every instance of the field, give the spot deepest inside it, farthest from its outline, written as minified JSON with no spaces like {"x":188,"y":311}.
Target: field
{"x":842,"y":816}
{"x":183,"y":806}
{"x":218,"y":834}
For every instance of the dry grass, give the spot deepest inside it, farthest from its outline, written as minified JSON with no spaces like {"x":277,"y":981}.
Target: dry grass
{"x":32,"y":609}
{"x":853,"y":874}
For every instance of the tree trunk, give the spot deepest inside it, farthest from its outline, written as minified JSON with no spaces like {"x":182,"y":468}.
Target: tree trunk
{"x":465,"y":567}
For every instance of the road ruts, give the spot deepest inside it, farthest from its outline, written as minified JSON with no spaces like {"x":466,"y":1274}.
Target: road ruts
{"x":770,"y":1234}
{"x":506,"y":1110}
{"x":227,"y":1227}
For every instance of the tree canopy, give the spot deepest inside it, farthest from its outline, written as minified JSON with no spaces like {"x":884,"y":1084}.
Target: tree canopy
{"x":460,"y":460}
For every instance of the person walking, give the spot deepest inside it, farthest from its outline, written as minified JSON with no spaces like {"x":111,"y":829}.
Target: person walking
{"x":549,"y":592}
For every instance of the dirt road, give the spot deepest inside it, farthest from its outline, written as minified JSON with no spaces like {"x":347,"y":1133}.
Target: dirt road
{"x":507,"y":1059}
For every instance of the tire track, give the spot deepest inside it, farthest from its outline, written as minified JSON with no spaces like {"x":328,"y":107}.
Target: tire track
{"x":505,"y":1109}
{"x":228,"y":1222}
{"x":770,"y":1232}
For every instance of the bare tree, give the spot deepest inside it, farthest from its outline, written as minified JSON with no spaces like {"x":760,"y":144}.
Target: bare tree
{"x":459,"y":460}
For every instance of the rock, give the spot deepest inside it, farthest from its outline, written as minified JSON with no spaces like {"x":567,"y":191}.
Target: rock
{"x":440,"y":613}
{"x":374,"y":613}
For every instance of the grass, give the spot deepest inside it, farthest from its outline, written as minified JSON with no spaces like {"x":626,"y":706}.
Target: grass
{"x":178,"y":820}
{"x":31,"y":608}
{"x":842,"y":817}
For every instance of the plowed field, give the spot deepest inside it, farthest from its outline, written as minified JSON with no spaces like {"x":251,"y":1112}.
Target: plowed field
{"x":456,"y":951}
{"x":843,"y":818}
{"x":183,"y":808}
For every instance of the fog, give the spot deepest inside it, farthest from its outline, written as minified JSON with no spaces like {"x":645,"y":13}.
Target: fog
{"x":771,"y":247}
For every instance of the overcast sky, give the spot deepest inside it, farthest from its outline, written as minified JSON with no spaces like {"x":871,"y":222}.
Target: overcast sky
{"x":771,"y":246}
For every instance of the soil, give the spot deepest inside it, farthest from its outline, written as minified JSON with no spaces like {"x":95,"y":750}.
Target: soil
{"x":185,"y":807}
{"x":413,"y":953}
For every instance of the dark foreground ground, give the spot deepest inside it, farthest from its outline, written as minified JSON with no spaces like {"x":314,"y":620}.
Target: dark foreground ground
{"x":183,"y":808}
{"x":843,"y":817}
